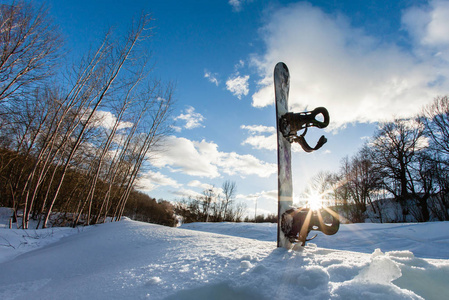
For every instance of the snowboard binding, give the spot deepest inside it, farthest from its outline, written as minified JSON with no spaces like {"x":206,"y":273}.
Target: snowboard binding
{"x":296,"y":223}
{"x":290,"y":123}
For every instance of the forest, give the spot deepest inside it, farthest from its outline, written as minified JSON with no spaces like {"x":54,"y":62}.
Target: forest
{"x":76,"y":135}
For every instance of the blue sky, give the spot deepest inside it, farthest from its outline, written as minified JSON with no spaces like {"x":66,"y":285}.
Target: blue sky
{"x":366,"y":61}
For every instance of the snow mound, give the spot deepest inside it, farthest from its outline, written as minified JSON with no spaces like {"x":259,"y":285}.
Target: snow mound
{"x":382,"y":269}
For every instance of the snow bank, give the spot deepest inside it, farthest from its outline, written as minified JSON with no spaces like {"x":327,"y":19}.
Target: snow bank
{"x":133,"y":260}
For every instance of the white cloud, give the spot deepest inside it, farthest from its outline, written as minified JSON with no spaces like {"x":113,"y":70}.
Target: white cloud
{"x":107,"y":120}
{"x":266,"y":202}
{"x":176,"y":128}
{"x":238,"y":85}
{"x":270,"y":195}
{"x":239,"y":65}
{"x":429,"y":25}
{"x":358,"y":77}
{"x":259,"y":128}
{"x":207,"y":187}
{"x":243,"y":165}
{"x":151,"y":180}
{"x":237,"y":5}
{"x":211,"y":77}
{"x":191,"y":118}
{"x":261,"y":137}
{"x":186,"y":193}
{"x":199,"y":184}
{"x":191,"y":158}
{"x":262,"y":142}
{"x":264,"y":137}
{"x":203,"y":159}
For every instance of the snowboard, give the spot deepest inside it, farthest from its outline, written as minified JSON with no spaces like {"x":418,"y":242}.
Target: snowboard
{"x":285,"y":190}
{"x":294,"y":224}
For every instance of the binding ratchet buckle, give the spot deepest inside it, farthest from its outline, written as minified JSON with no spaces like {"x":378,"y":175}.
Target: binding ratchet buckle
{"x":291,"y":123}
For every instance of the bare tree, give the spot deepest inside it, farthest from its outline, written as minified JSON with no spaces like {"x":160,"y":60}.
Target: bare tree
{"x":395,"y":154}
{"x":439,"y":202}
{"x":156,"y":127}
{"x":208,"y":195}
{"x":362,"y":181}
{"x":436,"y":119}
{"x":229,"y":190}
{"x":238,"y":211}
{"x":125,"y":103}
{"x":108,"y":63}
{"x":54,"y":134}
{"x":119,"y":167}
{"x":30,"y":47}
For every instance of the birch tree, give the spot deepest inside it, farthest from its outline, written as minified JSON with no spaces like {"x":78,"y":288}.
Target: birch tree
{"x":30,"y":45}
{"x":112,"y":61}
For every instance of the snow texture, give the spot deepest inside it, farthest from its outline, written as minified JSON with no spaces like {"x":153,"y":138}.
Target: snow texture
{"x":134,"y":260}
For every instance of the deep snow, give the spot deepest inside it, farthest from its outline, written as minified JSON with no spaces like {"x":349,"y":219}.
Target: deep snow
{"x":134,"y":260}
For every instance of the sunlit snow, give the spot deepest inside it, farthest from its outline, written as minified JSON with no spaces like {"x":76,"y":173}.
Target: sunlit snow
{"x":134,"y":260}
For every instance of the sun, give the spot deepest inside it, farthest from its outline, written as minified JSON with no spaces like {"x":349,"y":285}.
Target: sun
{"x":315,"y":201}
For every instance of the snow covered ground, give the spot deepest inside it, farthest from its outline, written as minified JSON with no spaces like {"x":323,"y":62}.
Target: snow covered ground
{"x":425,"y":240}
{"x":134,"y":260}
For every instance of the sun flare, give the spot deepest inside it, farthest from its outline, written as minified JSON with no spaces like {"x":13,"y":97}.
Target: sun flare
{"x":315,"y":201}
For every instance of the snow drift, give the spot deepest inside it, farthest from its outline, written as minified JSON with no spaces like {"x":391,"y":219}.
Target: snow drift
{"x":133,"y":260}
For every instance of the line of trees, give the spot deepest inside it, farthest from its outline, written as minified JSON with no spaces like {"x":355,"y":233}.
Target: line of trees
{"x":214,"y":205}
{"x":269,"y":218}
{"x":75,"y":140}
{"x":407,"y":161}
{"x":141,"y":207}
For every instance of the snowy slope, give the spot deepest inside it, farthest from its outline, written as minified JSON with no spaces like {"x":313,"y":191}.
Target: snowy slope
{"x":133,"y":260}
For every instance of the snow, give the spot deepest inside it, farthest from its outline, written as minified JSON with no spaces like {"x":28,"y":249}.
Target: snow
{"x":134,"y":260}
{"x":426,"y":240}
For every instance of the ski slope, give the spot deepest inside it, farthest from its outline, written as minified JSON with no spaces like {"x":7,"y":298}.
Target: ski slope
{"x":134,"y":260}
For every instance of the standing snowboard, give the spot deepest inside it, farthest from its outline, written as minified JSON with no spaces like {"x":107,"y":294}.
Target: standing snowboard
{"x":295,"y":224}
{"x":285,"y":190}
